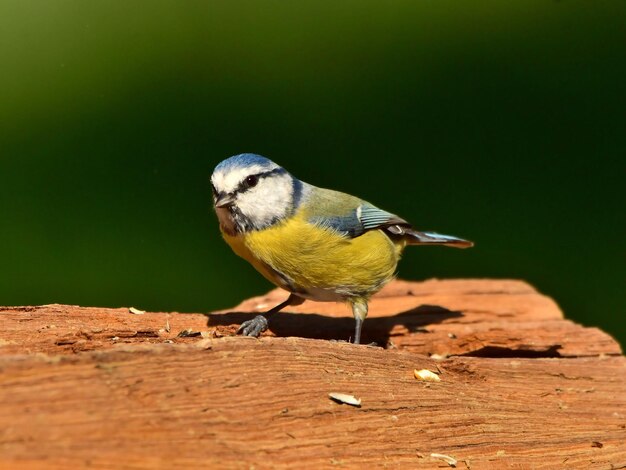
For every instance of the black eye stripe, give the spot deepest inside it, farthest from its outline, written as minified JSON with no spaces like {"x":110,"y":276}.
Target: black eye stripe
{"x":245,"y":185}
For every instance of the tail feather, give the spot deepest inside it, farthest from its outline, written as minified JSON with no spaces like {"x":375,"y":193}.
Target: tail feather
{"x":413,"y":237}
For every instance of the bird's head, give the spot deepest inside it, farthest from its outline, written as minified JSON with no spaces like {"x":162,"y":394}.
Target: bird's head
{"x":251,"y":192}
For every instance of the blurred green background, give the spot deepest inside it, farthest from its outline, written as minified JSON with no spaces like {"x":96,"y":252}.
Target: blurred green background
{"x":502,"y":122}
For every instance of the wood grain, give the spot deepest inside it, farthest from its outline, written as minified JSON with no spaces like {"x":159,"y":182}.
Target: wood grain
{"x":520,"y":386}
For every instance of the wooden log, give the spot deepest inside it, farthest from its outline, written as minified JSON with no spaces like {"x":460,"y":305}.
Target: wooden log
{"x":520,"y":387}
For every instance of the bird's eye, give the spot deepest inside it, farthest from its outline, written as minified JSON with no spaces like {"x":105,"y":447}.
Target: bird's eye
{"x":213,"y":190}
{"x":251,"y":181}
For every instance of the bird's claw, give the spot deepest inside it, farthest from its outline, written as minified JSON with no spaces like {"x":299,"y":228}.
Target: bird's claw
{"x":253,"y":327}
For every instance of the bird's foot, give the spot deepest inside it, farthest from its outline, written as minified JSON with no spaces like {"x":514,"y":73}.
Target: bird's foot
{"x":253,"y":327}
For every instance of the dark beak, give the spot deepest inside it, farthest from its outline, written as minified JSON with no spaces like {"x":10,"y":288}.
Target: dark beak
{"x":224,"y":200}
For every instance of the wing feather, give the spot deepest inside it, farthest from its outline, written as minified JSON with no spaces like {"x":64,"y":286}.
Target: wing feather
{"x":352,"y":217}
{"x":347,"y":214}
{"x":372,"y":217}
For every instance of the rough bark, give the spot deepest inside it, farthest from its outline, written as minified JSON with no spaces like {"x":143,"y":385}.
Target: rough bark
{"x":520,"y":387}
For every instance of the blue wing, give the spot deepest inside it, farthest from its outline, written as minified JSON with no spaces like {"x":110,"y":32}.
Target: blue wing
{"x":372,"y":217}
{"x":358,"y":220}
{"x":352,"y":217}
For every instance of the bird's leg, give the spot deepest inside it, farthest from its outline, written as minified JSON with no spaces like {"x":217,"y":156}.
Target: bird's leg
{"x":259,"y":324}
{"x":359,"y":310}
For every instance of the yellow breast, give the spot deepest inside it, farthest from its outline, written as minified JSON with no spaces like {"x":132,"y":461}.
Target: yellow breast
{"x":313,"y":258}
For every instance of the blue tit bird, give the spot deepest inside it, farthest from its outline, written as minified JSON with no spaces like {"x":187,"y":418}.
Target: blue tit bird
{"x":315,"y":243}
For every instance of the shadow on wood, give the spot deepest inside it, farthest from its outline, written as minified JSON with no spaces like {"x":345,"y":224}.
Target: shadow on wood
{"x":316,"y":326}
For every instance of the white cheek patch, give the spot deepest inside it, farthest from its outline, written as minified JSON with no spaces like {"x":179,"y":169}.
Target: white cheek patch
{"x":267,"y":202}
{"x":229,"y":180}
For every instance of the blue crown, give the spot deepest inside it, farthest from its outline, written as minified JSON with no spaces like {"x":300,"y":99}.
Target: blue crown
{"x":242,"y":161}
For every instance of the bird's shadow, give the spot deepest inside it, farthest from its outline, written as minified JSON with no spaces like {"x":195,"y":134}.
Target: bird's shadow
{"x":316,"y":326}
